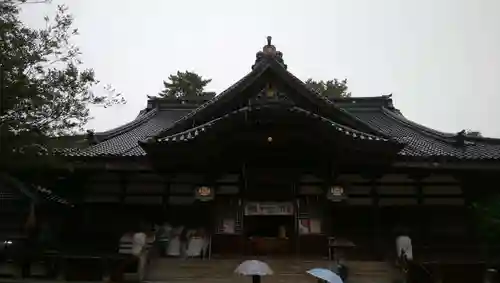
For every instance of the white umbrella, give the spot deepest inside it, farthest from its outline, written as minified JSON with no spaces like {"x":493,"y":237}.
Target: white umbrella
{"x":254,"y":268}
{"x":325,"y":274}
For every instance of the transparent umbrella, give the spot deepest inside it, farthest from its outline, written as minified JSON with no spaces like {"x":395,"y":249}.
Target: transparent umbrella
{"x":324,"y":274}
{"x":254,"y":268}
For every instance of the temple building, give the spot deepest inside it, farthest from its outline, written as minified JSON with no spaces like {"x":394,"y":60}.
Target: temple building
{"x":269,"y":166}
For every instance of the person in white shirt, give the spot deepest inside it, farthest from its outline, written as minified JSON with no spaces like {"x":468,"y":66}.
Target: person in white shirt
{"x":138,"y":243}
{"x":404,"y":247}
{"x":138,"y":257}
{"x":139,"y":251}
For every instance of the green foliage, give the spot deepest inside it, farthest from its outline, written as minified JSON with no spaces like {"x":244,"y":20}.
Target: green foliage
{"x":331,"y":88}
{"x":44,"y":91}
{"x":184,"y":84}
{"x":488,"y":218}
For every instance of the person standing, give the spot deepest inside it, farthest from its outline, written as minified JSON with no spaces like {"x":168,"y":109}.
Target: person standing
{"x":404,"y":250}
{"x":136,"y":259}
{"x":29,"y":244}
{"x":29,"y":251}
{"x":139,"y":241}
{"x":184,"y":238}
{"x":162,"y":238}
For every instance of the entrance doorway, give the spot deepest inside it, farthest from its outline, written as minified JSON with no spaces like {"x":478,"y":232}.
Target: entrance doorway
{"x":270,"y":235}
{"x":194,"y":216}
{"x":269,"y":228}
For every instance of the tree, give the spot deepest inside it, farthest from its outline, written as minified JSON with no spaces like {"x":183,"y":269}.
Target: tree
{"x":44,"y":92}
{"x":184,"y":84}
{"x":488,"y":219}
{"x":331,"y":88}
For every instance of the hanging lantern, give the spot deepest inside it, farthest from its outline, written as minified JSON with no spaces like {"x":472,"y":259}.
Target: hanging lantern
{"x":204,"y":193}
{"x":336,"y":193}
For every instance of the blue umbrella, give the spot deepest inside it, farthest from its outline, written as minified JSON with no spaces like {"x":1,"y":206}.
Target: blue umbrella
{"x":325,"y":274}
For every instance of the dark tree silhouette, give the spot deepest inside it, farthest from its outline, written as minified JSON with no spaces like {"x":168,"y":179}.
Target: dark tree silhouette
{"x":331,"y":88}
{"x":184,"y":84}
{"x":44,"y":92}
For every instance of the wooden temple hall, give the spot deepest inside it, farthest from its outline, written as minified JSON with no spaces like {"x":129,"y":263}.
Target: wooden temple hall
{"x":270,"y":167}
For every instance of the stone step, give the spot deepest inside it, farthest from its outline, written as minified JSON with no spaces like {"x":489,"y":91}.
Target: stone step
{"x":285,"y":270}
{"x":270,"y":279}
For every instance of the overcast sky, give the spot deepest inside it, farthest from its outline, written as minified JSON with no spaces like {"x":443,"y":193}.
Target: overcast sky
{"x":439,"y":58}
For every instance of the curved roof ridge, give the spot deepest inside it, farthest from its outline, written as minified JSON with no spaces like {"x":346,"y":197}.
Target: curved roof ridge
{"x":484,"y":139}
{"x":332,"y":103}
{"x":439,"y":134}
{"x":339,"y":127}
{"x":446,"y":137}
{"x":377,"y":97}
{"x":202,"y":125}
{"x":139,"y":120}
{"x":443,"y":136}
{"x":343,"y":126}
{"x":257,"y":70}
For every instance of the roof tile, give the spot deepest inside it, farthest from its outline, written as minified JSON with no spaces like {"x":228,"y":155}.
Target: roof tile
{"x":425,"y":143}
{"x":127,"y":143}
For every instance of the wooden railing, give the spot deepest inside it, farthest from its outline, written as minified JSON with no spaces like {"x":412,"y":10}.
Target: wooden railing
{"x":456,"y":253}
{"x":417,"y":272}
{"x":452,"y":263}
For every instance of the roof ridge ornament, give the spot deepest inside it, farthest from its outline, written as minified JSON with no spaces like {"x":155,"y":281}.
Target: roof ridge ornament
{"x":269,"y":52}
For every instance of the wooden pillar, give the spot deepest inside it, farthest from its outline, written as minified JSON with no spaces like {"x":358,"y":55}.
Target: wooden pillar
{"x":123,"y":187}
{"x":467,"y":189}
{"x":296,"y":235}
{"x":243,"y":183}
{"x":378,"y":243}
{"x":123,"y":179}
{"x":166,"y":198}
{"x":422,"y":219}
{"x":81,"y":182}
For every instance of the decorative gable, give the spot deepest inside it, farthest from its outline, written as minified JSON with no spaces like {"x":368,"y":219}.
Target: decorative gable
{"x":268,"y":83}
{"x":270,"y":94}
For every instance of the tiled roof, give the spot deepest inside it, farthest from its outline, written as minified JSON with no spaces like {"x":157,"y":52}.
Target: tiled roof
{"x":372,"y":117}
{"x":259,"y":69}
{"x":9,"y":191}
{"x":49,"y":195}
{"x":125,"y":142}
{"x":377,"y":112}
{"x":424,"y":142}
{"x":200,"y":130}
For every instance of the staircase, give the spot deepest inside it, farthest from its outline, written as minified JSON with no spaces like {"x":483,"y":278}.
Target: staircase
{"x":372,"y":271}
{"x":290,"y":270}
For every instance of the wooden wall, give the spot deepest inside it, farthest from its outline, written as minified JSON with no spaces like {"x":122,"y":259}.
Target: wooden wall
{"x":430,"y":206}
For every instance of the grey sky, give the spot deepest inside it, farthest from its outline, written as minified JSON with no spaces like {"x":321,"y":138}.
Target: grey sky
{"x":439,"y":58}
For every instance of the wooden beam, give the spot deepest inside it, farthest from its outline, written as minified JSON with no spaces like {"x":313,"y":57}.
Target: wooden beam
{"x":242,"y":194}
{"x":464,"y":165}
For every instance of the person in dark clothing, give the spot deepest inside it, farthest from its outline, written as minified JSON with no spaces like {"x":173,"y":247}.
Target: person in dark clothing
{"x":28,"y":248}
{"x":183,"y":238}
{"x":342,"y":269}
{"x":343,"y":272}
